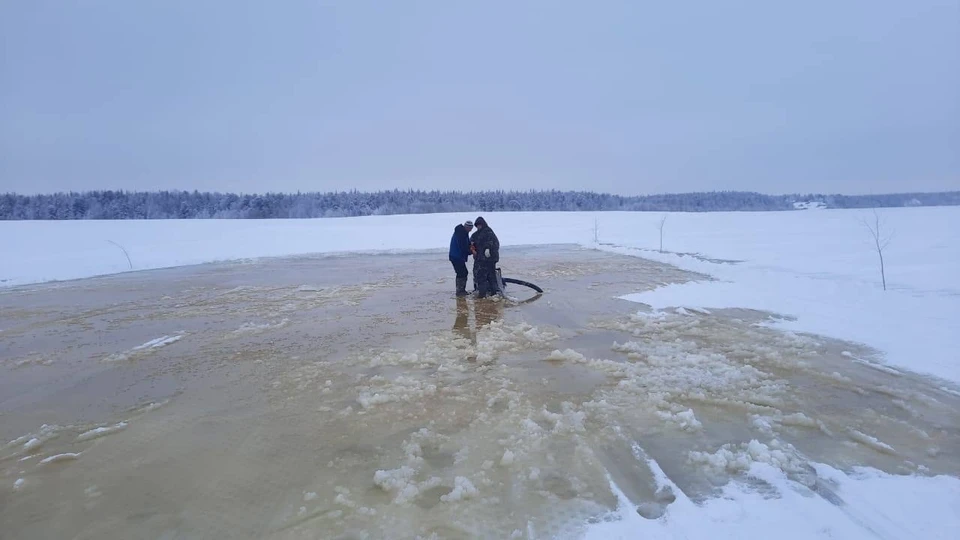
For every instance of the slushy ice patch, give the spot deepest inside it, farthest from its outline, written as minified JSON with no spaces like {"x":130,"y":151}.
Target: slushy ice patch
{"x":460,"y":440}
{"x":55,"y":444}
{"x":259,"y":328}
{"x":29,"y":444}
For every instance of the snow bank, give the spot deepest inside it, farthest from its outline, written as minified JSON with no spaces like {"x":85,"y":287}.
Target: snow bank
{"x":38,"y":251}
{"x":829,"y":244}
{"x":818,"y":270}
{"x":864,"y":504}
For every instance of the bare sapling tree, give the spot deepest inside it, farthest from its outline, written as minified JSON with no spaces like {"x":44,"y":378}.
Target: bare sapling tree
{"x":129,"y":262}
{"x":880,"y":242}
{"x":662,"y":221}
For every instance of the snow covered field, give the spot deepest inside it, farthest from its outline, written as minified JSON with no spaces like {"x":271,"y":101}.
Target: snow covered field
{"x":815,"y":270}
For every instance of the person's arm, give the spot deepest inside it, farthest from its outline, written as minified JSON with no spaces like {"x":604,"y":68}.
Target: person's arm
{"x":465,"y":245}
{"x":492,"y":247}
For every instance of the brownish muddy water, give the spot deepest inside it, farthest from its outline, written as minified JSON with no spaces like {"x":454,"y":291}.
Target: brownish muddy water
{"x":354,"y":397}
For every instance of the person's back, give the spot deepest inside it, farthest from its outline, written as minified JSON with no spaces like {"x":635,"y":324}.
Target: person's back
{"x":488,"y":245}
{"x":459,"y":244}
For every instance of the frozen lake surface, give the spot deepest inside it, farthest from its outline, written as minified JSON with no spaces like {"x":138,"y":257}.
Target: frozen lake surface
{"x":352,"y":396}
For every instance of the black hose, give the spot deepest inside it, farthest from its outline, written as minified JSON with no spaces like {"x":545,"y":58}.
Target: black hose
{"x":524,"y":283}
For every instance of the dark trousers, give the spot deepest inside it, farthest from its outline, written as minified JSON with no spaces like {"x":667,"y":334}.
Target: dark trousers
{"x":476,"y":268}
{"x":461,"y":269}
{"x":486,"y":276}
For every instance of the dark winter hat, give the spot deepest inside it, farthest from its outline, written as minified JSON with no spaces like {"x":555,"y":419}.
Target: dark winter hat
{"x":480,"y":222}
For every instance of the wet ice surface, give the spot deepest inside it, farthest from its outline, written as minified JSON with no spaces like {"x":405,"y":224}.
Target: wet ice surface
{"x":353,"y":396}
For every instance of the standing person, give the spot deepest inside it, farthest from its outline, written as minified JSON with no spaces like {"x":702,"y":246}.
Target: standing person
{"x":476,"y":263}
{"x":486,"y":256}
{"x":459,"y":253}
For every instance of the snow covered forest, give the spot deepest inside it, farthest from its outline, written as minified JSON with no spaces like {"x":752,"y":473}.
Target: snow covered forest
{"x":205,"y":205}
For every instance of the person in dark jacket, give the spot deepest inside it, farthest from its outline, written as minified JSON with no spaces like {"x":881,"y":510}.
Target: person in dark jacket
{"x":476,"y":263}
{"x":486,"y":255}
{"x":459,"y":253}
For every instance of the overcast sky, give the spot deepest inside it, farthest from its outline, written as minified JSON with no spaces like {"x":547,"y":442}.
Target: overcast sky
{"x":621,"y":96}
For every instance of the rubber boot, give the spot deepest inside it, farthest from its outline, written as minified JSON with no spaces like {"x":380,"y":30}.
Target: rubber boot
{"x":462,"y":286}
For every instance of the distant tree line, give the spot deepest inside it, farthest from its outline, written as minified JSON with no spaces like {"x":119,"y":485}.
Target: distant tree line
{"x":205,"y":205}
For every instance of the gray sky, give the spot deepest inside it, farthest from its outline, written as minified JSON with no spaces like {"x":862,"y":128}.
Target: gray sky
{"x":621,"y":96}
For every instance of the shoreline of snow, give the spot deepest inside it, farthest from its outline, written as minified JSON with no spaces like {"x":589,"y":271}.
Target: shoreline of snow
{"x":910,"y":328}
{"x":43,"y":251}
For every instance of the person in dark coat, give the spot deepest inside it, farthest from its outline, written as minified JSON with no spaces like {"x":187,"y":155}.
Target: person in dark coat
{"x":486,"y":255}
{"x":459,"y":253}
{"x":476,"y":263}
